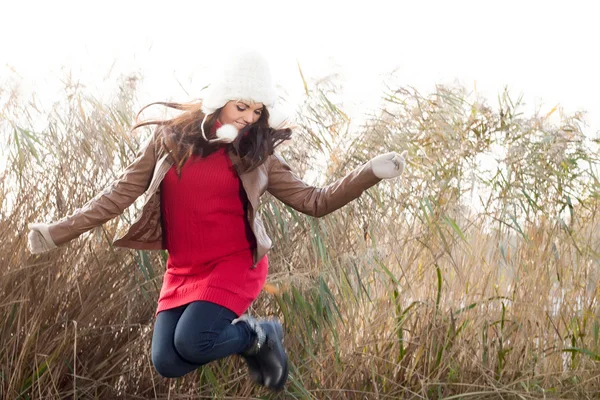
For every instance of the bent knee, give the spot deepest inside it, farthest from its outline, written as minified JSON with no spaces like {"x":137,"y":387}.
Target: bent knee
{"x":195,"y":349}
{"x":167,"y":364}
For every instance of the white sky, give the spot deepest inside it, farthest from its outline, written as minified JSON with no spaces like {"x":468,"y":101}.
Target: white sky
{"x":544,"y":49}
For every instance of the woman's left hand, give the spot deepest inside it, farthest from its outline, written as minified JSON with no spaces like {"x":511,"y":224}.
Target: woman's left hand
{"x":389,"y":165}
{"x":39,"y":239}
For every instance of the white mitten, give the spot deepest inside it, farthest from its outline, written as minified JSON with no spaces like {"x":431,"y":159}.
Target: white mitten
{"x":389,"y":165}
{"x":39,"y":237}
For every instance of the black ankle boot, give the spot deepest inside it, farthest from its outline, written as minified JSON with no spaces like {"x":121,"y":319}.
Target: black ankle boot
{"x":271,"y":357}
{"x":266,"y":358}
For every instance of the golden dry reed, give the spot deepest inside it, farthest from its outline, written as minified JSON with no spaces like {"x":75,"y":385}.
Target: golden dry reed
{"x":473,"y":276}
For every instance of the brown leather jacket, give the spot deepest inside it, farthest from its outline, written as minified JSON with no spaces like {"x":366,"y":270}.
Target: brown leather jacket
{"x":145,"y":173}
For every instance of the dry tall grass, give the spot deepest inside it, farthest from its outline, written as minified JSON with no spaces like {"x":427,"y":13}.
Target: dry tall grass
{"x":409,"y":292}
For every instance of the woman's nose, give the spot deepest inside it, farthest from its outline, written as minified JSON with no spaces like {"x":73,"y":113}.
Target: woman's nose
{"x":249,"y":117}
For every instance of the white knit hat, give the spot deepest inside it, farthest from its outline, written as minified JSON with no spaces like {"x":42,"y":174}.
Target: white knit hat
{"x":245,"y":76}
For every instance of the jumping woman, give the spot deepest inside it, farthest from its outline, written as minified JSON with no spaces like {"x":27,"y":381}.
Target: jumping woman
{"x":202,"y":174}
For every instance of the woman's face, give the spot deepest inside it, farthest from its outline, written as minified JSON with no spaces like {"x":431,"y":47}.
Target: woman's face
{"x":240,"y":113}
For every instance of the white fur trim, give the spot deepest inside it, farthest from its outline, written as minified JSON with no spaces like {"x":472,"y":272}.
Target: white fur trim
{"x":227,"y":133}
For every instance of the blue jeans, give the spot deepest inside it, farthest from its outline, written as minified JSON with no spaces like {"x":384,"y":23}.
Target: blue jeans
{"x":195,"y":334}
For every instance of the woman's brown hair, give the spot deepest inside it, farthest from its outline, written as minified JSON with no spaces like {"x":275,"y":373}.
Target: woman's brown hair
{"x":184,"y":136}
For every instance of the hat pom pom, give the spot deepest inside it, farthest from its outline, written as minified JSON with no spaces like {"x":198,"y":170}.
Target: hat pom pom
{"x":227,"y":133}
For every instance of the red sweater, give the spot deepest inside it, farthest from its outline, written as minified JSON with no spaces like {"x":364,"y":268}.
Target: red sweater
{"x":208,"y":237}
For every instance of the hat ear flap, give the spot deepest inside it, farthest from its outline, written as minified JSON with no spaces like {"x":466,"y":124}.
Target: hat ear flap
{"x":277,"y":118}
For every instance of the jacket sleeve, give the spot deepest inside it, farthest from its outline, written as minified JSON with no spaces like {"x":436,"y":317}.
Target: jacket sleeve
{"x":285,"y":185}
{"x":113,"y":200}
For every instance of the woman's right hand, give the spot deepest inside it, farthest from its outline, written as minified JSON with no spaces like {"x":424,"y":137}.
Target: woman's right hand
{"x":39,"y":237}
